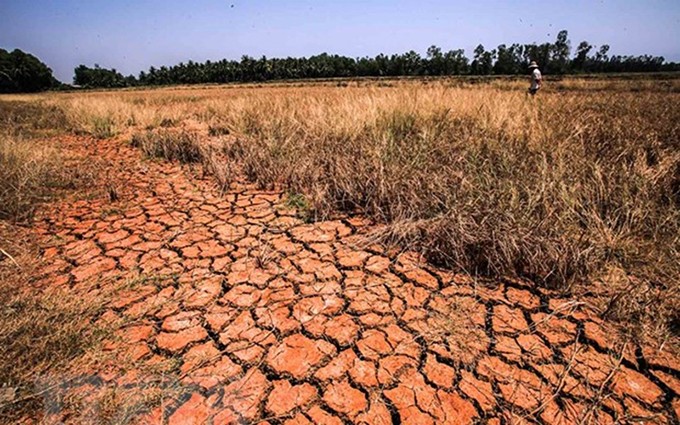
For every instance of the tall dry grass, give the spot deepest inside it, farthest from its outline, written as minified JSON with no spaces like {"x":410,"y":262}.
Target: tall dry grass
{"x":40,"y":332}
{"x":31,"y":171}
{"x":30,"y":174}
{"x":563,"y":189}
{"x":577,"y":188}
{"x":30,"y":116}
{"x":172,"y":145}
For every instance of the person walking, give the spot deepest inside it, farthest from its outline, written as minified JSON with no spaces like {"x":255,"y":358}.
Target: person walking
{"x":536,"y":78}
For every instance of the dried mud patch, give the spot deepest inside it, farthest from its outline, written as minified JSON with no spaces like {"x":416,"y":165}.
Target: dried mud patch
{"x":229,"y":307}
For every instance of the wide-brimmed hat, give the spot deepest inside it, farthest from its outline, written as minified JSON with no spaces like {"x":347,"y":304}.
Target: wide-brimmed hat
{"x":533,"y":64}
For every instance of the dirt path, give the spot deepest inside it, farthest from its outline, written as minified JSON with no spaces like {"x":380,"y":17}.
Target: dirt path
{"x":267,"y":318}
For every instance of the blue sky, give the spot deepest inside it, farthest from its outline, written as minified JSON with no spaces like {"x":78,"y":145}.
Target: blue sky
{"x":133,"y":35}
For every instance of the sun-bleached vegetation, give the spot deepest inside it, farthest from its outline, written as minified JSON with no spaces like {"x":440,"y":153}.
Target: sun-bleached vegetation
{"x":578,"y":188}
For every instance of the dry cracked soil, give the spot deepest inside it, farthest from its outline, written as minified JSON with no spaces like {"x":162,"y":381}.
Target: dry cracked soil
{"x":267,"y":319}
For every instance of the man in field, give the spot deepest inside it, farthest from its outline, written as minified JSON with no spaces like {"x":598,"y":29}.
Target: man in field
{"x":536,"y":78}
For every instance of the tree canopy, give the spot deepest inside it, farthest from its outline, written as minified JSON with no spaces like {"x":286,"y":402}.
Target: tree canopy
{"x":100,"y":77}
{"x":23,"y":72}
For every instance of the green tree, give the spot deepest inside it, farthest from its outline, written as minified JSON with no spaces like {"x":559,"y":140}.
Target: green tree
{"x":580,"y":61}
{"x":601,"y":58}
{"x":506,"y":59}
{"x":455,"y":62}
{"x":483,"y":61}
{"x":560,"y":51}
{"x":23,"y":72}
{"x":435,"y":64}
{"x":99,"y":77}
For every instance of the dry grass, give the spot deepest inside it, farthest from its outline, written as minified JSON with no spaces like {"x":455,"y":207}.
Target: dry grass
{"x":31,"y":171}
{"x":187,"y":147}
{"x":515,"y":186}
{"x":561,"y":190}
{"x":564,"y":189}
{"x":40,"y":331}
{"x":182,"y":146}
{"x":30,"y":174}
{"x":40,"y":336}
{"x":30,"y":117}
{"x":222,"y":168}
{"x":52,"y":344}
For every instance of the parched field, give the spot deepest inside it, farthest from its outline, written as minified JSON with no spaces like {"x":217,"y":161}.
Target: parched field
{"x":417,"y":252}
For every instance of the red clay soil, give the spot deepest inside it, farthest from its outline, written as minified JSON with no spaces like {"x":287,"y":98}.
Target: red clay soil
{"x":271,"y":320}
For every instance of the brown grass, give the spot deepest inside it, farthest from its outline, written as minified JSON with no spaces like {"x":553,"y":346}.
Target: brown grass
{"x":578,"y":188}
{"x":513,"y":186}
{"x":31,"y":171}
{"x":30,"y":174}
{"x":560,"y":189}
{"x":30,"y":117}
{"x":169,"y":144}
{"x":41,"y":332}
{"x":188,"y":147}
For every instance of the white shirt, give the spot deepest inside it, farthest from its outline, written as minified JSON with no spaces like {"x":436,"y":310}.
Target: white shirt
{"x":535,"y":78}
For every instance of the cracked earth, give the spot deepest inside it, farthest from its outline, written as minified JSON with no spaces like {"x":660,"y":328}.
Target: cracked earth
{"x":268,"y":319}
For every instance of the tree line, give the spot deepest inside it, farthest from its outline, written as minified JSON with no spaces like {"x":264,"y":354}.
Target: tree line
{"x":20,"y":71}
{"x":554,"y":58}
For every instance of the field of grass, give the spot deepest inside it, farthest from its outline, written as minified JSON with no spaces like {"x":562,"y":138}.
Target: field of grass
{"x":577,"y":189}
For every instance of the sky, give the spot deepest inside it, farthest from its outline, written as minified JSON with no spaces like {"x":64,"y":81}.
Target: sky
{"x":132,"y":35}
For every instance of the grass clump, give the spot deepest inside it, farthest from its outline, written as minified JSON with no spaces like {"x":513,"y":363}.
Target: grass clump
{"x":217,"y":165}
{"x":188,"y":147}
{"x":181,"y":146}
{"x":30,"y":174}
{"x":218,"y":130}
{"x":103,"y":127}
{"x":300,"y":204}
